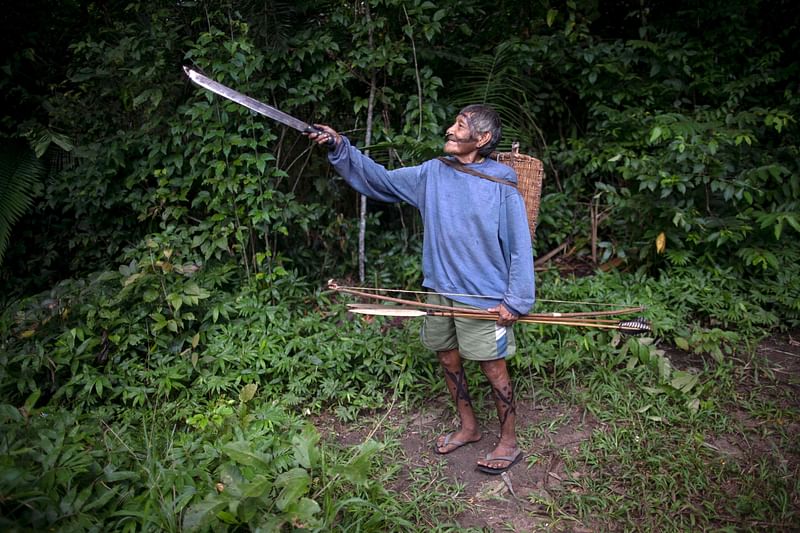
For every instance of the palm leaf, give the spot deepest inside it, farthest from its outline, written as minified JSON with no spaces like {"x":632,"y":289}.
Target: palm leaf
{"x":20,"y":173}
{"x":495,"y":79}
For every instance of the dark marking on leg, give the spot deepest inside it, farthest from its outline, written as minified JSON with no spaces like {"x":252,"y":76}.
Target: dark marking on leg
{"x":505,"y":403}
{"x":459,"y":379}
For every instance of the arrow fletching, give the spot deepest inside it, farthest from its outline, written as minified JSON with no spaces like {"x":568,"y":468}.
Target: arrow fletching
{"x":635,"y":326}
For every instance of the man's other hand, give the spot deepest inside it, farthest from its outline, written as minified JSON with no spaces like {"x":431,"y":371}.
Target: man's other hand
{"x":504,"y":316}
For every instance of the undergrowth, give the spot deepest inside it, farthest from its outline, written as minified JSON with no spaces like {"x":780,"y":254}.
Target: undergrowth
{"x":169,"y":395}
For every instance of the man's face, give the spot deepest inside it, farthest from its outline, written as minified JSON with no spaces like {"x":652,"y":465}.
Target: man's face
{"x":459,"y":139}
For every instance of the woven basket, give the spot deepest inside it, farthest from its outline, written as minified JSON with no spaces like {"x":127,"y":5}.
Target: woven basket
{"x":529,"y":175}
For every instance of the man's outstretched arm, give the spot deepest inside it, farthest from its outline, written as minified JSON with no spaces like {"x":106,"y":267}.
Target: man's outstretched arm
{"x":365,"y":175}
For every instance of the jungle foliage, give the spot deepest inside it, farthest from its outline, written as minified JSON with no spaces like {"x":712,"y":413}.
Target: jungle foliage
{"x":161,"y":286}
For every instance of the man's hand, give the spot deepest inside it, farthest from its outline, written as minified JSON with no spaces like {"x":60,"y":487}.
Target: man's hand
{"x":505,"y":317}
{"x":325,"y":136}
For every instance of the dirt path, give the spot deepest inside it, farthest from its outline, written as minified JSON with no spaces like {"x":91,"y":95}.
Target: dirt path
{"x":502,"y":502}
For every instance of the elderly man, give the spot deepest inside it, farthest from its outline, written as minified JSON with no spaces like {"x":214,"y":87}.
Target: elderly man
{"x":476,"y":254}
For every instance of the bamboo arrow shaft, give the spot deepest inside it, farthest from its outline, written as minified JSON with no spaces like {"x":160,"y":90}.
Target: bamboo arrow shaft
{"x":400,"y":301}
{"x":403,"y":311}
{"x":627,"y":310}
{"x":635,"y":325}
{"x":545,"y":320}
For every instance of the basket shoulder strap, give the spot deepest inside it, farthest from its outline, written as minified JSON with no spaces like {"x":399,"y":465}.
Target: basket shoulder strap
{"x":463,"y":168}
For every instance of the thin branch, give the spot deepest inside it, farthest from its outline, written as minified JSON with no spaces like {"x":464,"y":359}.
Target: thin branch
{"x":416,"y":70}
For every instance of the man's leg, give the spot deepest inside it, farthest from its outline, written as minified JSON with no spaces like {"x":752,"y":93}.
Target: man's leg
{"x":497,"y":373}
{"x":456,"y":380}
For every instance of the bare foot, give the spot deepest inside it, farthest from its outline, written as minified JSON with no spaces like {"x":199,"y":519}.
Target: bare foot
{"x":453,"y":441}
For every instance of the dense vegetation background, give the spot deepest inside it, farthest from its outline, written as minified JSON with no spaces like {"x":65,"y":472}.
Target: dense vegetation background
{"x":163,"y":252}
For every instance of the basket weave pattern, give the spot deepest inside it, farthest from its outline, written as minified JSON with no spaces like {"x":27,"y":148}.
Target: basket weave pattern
{"x":530,"y":173}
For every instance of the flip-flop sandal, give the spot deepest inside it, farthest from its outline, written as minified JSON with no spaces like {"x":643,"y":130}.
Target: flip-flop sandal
{"x":449,"y":441}
{"x":511,"y":459}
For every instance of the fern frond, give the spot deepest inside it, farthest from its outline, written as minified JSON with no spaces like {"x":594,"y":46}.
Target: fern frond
{"x":20,"y":172}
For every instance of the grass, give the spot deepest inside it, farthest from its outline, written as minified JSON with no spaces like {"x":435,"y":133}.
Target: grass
{"x":640,"y":459}
{"x":422,"y":494}
{"x":667,"y":475}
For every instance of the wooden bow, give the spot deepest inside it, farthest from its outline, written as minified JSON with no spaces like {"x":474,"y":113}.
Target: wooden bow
{"x":410,"y":308}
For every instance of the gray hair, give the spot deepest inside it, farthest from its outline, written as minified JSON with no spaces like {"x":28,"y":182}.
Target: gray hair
{"x":482,"y":119}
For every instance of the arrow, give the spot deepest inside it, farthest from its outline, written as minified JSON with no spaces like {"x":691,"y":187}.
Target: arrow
{"x":332,"y":285}
{"x":633,"y":326}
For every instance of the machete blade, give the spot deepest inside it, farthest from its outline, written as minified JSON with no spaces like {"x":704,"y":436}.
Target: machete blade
{"x":248,"y":102}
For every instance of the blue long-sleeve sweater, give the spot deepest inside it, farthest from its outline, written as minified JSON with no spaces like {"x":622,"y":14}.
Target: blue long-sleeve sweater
{"x":476,"y":239}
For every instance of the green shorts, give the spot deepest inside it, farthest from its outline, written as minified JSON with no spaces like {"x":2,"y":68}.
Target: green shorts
{"x":477,"y":340}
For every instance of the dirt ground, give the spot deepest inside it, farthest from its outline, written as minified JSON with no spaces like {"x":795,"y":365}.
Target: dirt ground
{"x":517,"y":501}
{"x":501,"y":502}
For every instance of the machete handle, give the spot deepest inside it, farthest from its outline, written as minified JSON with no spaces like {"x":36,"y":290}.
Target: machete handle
{"x":313,"y":129}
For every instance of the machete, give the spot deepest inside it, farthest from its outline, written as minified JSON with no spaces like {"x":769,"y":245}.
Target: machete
{"x":251,"y":103}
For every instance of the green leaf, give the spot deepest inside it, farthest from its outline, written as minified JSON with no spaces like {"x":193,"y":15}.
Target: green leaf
{"x":248,"y":392}
{"x":242,"y":453}
{"x":31,"y":400}
{"x":655,"y":134}
{"x":175,"y":301}
{"x":295,"y":484}
{"x":132,"y":279}
{"x":111,"y":476}
{"x":664,"y":368}
{"x":248,"y":508}
{"x":258,"y":488}
{"x":302,"y":513}
{"x":150,"y":295}
{"x":357,"y":470}
{"x":10,"y":413}
{"x":682,"y":343}
{"x":793,"y":222}
{"x":200,"y":515}
{"x":643,"y":352}
{"x":551,"y":17}
{"x":227,"y":517}
{"x":99,"y":502}
{"x":305,"y":447}
{"x":683,"y":381}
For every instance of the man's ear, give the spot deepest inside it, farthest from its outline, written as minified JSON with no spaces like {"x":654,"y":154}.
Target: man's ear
{"x":484,"y":139}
